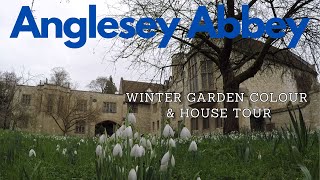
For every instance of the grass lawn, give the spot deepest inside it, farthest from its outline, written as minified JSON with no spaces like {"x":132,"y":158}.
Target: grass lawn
{"x":237,"y":156}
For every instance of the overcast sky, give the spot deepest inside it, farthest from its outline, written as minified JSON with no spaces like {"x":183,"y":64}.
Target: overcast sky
{"x":39,"y":56}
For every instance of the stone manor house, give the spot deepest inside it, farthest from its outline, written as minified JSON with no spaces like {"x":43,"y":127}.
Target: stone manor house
{"x":193,"y":75}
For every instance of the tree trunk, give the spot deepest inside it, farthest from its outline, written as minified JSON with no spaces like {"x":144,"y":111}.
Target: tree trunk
{"x":231,"y":123}
{"x":6,"y":120}
{"x":14,"y":124}
{"x":65,"y":130}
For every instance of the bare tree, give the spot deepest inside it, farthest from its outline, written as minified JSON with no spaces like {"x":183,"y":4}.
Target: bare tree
{"x":60,"y":77}
{"x":8,"y":86}
{"x":12,"y":110}
{"x":104,"y":85}
{"x":233,"y":70}
{"x":71,"y":110}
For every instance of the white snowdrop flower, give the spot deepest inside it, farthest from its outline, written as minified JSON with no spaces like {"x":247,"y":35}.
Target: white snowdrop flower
{"x":259,"y":156}
{"x":165,"y":161}
{"x":193,"y":146}
{"x":137,"y":167}
{"x":149,"y":145}
{"x":136,"y":136}
{"x":132,"y":175}
{"x":130,"y":142}
{"x":173,"y":161}
{"x":172,"y":143}
{"x":154,"y":140}
{"x":64,"y":151}
{"x":131,"y":118}
{"x":165,"y":158}
{"x":163,"y":167}
{"x":34,"y":140}
{"x":99,"y":150}
{"x":113,"y":137}
{"x":75,"y":152}
{"x":185,"y":133}
{"x":162,"y":142}
{"x":134,"y":151}
{"x":117,"y":150}
{"x":168,"y":131}
{"x":122,"y":128}
{"x":137,"y":151}
{"x":102,"y":139}
{"x":32,"y":153}
{"x":82,"y":140}
{"x":127,"y":133}
{"x":58,"y":147}
{"x":198,"y":178}
{"x":119,"y":133}
{"x":143,"y":142}
{"x":141,"y":151}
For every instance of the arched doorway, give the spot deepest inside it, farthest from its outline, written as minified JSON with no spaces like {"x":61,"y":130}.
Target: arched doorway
{"x":107,"y":126}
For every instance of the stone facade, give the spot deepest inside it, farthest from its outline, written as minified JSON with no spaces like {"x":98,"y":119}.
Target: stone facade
{"x":190,"y":73}
{"x":43,"y":122}
{"x":309,"y":110}
{"x":195,"y":75}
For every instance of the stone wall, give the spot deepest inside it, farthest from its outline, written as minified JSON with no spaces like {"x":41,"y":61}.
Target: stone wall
{"x":42,"y":122}
{"x":144,"y":118}
{"x":314,"y":108}
{"x":310,"y":112}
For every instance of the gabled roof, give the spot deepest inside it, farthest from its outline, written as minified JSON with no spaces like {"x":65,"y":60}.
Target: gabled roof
{"x":277,"y":56}
{"x":139,"y":87}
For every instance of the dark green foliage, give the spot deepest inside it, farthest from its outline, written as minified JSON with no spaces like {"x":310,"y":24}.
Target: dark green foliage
{"x":104,"y":85}
{"x":300,"y":142}
{"x":110,"y":87}
{"x":298,"y":132}
{"x":243,"y":151}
